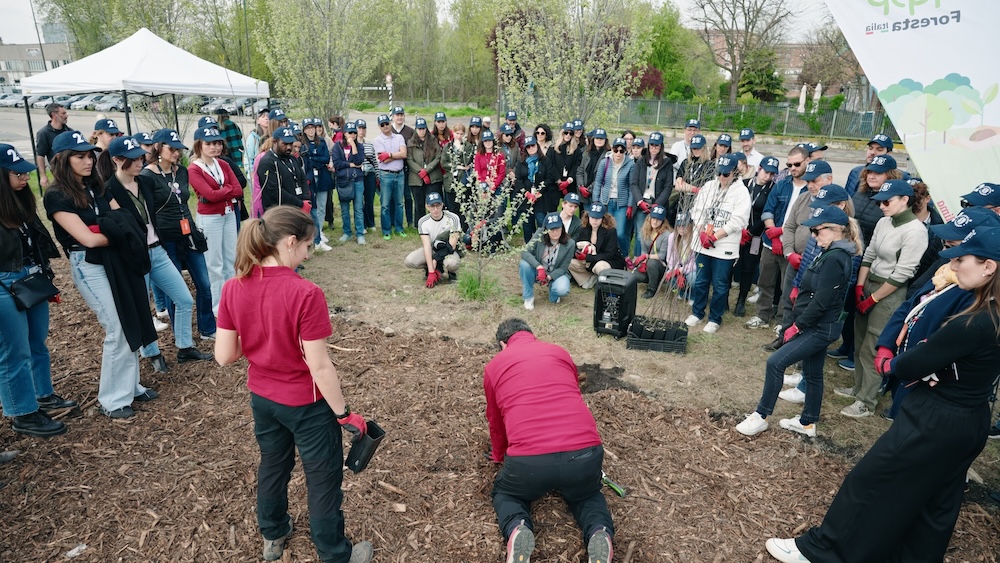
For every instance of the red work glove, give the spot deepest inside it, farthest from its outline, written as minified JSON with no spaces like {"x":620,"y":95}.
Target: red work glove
{"x":57,"y":298}
{"x":882,"y":358}
{"x":584,"y":191}
{"x":424,"y":176}
{"x":540,"y":276}
{"x":355,"y":424}
{"x":795,"y":260}
{"x":307,"y":206}
{"x":794,"y":295}
{"x":383,"y":156}
{"x":432,"y":278}
{"x":866,"y":305}
{"x":94,"y":228}
{"x":644,"y":206}
{"x":564,"y":187}
{"x":681,"y":280}
{"x":629,"y":211}
{"x":707,"y":240}
{"x":790,"y":333}
{"x":774,"y":232}
{"x":642,"y":267}
{"x":695,"y":190}
{"x":530,"y":197}
{"x":777,"y":248}
{"x":581,"y":255}
{"x":745,"y":237}
{"x":859,"y":295}
{"x":639,"y":259}
{"x":667,"y":276}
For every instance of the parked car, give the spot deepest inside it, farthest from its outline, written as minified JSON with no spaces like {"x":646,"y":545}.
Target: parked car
{"x":191,"y":103}
{"x":254,"y":109}
{"x":235,"y":107}
{"x":113,"y":103}
{"x":31,"y":100}
{"x":84,"y":101}
{"x":8,"y":100}
{"x":40,"y":104}
{"x":216,"y":103}
{"x":92,"y":104}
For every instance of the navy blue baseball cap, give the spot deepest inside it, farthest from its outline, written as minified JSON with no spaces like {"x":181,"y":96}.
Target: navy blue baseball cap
{"x":578,"y":125}
{"x":350,"y":127}
{"x":71,"y":141}
{"x":893,"y":188}
{"x":883,"y":141}
{"x":568,"y":126}
{"x":383,"y":119}
{"x":596,"y":210}
{"x":420,"y":123}
{"x":488,"y":136}
{"x":693,"y":123}
{"x":506,"y":129}
{"x":698,"y":142}
{"x":655,"y":138}
{"x":440,"y":116}
{"x":725,"y":140}
{"x":397,"y":110}
{"x":600,"y":133}
{"x":725,"y":165}
{"x":169,"y":137}
{"x":572,"y":197}
{"x":277,"y":114}
{"x":658,"y":212}
{"x":511,"y":115}
{"x":619,"y":142}
{"x":12,"y":160}
{"x":828,"y":214}
{"x":207,"y":121}
{"x":108,"y":125}
{"x":475,"y":121}
{"x":981,"y":242}
{"x":638,"y":142}
{"x":815,"y":169}
{"x":284,"y":134}
{"x":530,"y":141}
{"x":770,"y":164}
{"x":828,"y":195}
{"x":881,"y":163}
{"x":746,"y":134}
{"x":984,"y":194}
{"x":143,"y":138}
{"x":126,"y":147}
{"x":738,"y":156}
{"x":434,"y":198}
{"x":963,"y":223}
{"x":207,"y":134}
{"x":552,"y":221}
{"x":361,"y":124}
{"x":812,"y":147}
{"x":296,"y":128}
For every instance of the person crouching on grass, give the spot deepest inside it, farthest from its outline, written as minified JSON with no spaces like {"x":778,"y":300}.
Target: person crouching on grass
{"x":817,"y":318}
{"x":545,"y":261}
{"x":439,"y":231}
{"x":597,"y":248}
{"x":280,"y":322}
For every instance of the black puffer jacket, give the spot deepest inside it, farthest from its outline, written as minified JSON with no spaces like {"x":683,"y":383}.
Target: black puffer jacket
{"x":867,"y":212}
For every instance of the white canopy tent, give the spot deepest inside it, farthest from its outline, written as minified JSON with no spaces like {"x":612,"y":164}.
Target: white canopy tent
{"x":145,"y":64}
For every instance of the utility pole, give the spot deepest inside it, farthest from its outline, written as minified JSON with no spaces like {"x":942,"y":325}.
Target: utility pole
{"x":38,"y":34}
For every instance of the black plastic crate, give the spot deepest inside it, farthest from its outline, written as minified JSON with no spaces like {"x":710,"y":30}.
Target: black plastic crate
{"x":660,"y":335}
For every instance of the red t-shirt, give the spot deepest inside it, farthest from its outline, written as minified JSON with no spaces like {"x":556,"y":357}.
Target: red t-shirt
{"x":533,"y":401}
{"x":272,"y":314}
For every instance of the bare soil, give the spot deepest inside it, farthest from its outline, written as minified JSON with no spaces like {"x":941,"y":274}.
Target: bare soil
{"x":177,"y":482}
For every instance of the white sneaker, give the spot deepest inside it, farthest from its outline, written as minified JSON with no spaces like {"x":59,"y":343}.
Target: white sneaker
{"x":793,"y":395}
{"x":795,"y":425}
{"x":711,"y":328}
{"x":752,"y":425}
{"x":784,"y":550}
{"x":756,"y":322}
{"x":162,"y":314}
{"x":793,"y":379}
{"x":344,"y":238}
{"x":777,"y":330}
{"x":754,"y":296}
{"x":856,"y":410}
{"x":323,"y":237}
{"x":529,"y":304}
{"x":324,"y":247}
{"x":692,"y":320}
{"x":159,"y":325}
{"x":361,"y":241}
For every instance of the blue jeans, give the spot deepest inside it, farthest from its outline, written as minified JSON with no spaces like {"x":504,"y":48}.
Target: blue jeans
{"x":714,"y":272}
{"x":198,"y":270}
{"x":638,"y":220}
{"x":622,"y":227}
{"x":314,"y":429}
{"x":558,"y":287}
{"x":25,"y":373}
{"x":359,"y":210}
{"x":391,"y":194}
{"x":119,"y":364}
{"x":809,"y":347}
{"x":318,"y":213}
{"x":169,"y":280}
{"x":220,"y":230}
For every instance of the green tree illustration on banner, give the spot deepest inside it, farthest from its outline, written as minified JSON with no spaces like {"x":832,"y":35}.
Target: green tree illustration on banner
{"x":941,"y":105}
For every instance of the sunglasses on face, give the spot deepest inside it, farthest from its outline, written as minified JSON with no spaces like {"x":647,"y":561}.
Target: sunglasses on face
{"x":884,"y":202}
{"x":793,"y":164}
{"x":567,"y":132}
{"x":618,"y":149}
{"x":383,"y":124}
{"x":816,"y":230}
{"x":726,"y":175}
{"x":539,"y":133}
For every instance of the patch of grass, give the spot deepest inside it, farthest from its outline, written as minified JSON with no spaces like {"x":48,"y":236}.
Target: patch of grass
{"x":476,"y":288}
{"x":363,"y":106}
{"x":451,"y":112}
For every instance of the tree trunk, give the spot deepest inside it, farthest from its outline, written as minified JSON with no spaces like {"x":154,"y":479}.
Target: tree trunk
{"x":734,"y":86}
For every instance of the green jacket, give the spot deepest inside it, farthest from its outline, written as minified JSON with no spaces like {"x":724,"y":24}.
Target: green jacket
{"x":416,"y":161}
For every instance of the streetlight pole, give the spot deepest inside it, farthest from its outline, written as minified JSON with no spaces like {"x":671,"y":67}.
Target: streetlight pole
{"x":37,"y":34}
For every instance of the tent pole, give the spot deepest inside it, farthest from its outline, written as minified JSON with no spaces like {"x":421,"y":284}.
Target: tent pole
{"x":31,"y":137}
{"x":128,"y":124}
{"x":177,"y":124}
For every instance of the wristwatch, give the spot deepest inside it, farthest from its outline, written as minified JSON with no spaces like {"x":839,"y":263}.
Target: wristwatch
{"x":347,"y":412}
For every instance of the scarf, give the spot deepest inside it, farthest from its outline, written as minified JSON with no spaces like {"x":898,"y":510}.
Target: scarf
{"x":532,"y":162}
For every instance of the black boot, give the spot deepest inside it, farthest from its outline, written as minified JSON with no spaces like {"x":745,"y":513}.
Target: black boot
{"x":773,"y":345}
{"x":54,"y":402}
{"x":192,"y":355}
{"x":159,"y":364}
{"x":38,"y":424}
{"x":741,"y":308}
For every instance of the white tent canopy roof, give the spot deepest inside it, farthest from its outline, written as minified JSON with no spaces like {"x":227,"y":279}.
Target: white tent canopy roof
{"x":145,"y":64}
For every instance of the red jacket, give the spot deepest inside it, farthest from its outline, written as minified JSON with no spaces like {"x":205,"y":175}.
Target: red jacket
{"x":491,"y":168}
{"x":213,"y":199}
{"x":533,"y":401}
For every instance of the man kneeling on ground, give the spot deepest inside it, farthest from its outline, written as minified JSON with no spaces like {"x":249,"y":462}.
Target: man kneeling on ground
{"x":439,"y":233}
{"x":546,"y":438}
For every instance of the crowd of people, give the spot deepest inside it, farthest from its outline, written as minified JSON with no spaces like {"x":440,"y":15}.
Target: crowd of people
{"x":869,"y":263}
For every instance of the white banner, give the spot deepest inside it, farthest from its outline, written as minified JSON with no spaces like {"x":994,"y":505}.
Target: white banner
{"x":936,"y":72}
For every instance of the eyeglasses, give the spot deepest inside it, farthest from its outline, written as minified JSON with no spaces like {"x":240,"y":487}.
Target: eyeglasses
{"x":618,"y":149}
{"x":539,"y":133}
{"x":967,"y":203}
{"x":530,"y":147}
{"x":725,"y":175}
{"x":565,"y":133}
{"x":793,"y":164}
{"x":383,"y":124}
{"x":816,"y":230}
{"x":884,"y":202}
{"x":21,"y":175}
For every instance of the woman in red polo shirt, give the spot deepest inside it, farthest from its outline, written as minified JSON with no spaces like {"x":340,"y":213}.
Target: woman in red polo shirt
{"x":280,"y":322}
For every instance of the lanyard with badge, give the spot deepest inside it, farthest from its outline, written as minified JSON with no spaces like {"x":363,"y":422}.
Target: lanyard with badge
{"x":175,"y":188}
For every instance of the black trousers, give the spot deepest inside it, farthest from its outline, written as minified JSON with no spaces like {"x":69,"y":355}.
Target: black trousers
{"x":575,"y":475}
{"x":746,"y":269}
{"x":314,"y":430}
{"x":901,"y":501}
{"x":369,"y":210}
